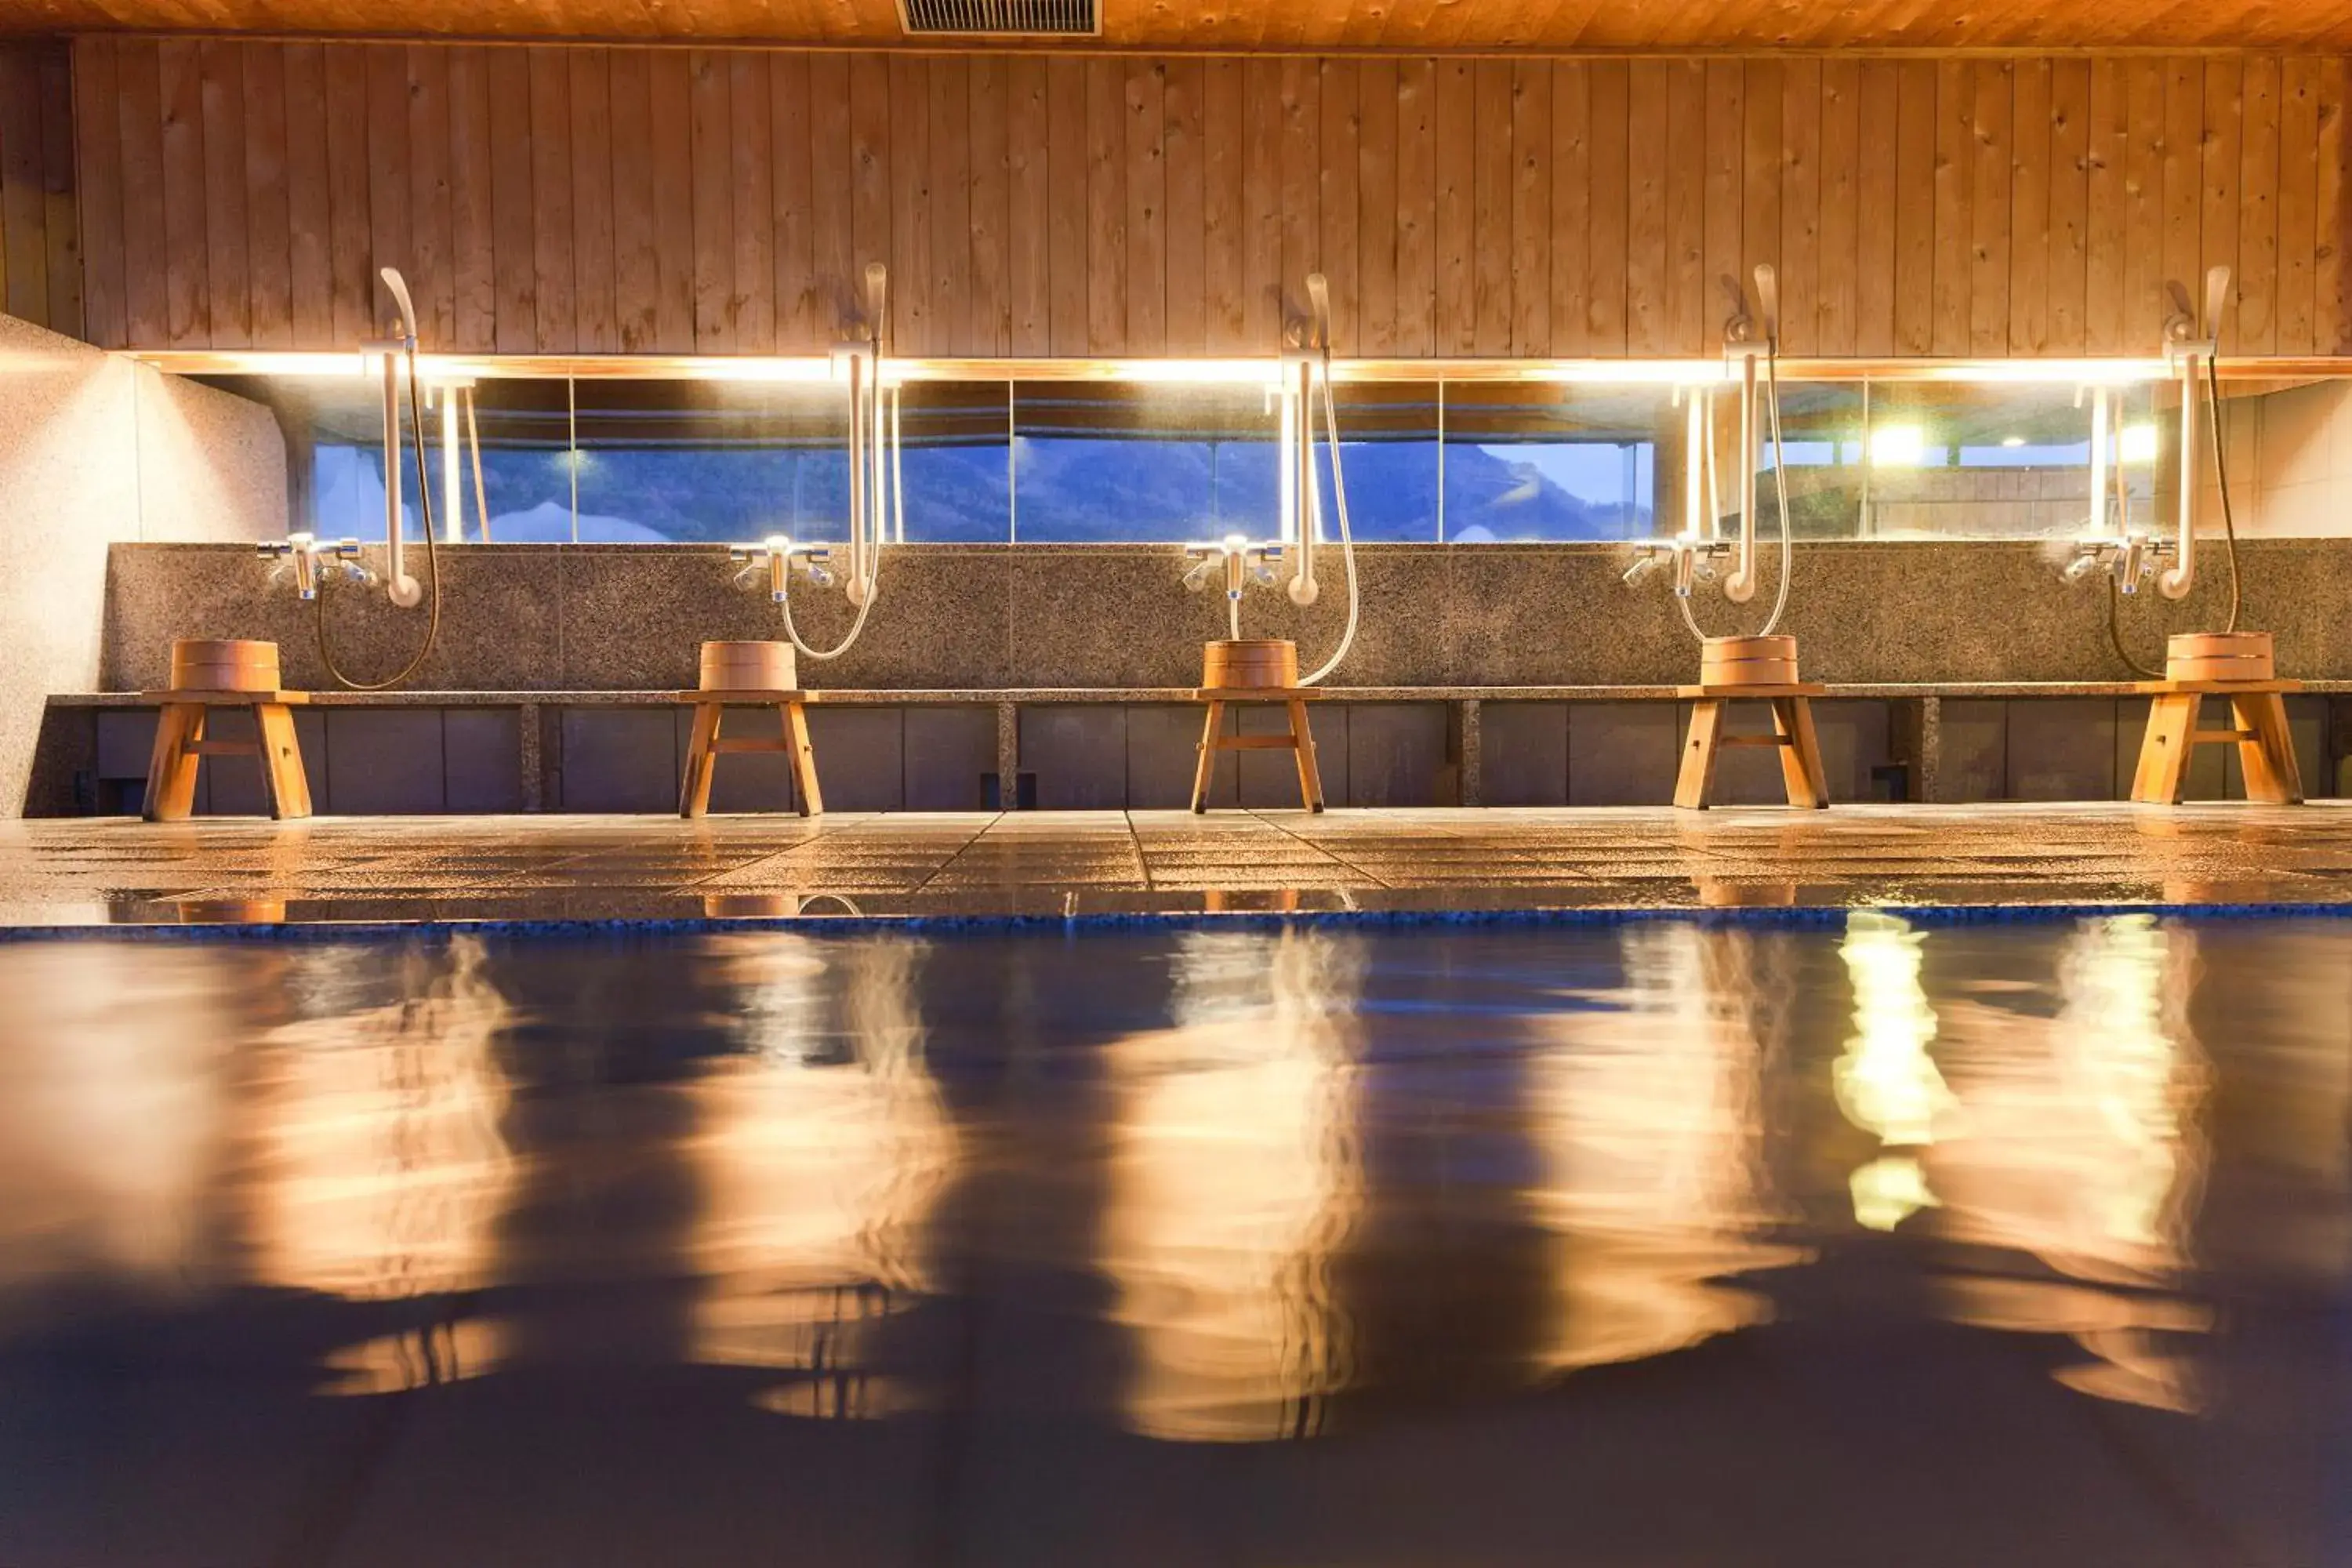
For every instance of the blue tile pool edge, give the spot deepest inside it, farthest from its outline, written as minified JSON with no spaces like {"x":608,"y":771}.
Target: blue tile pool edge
{"x":1806,"y":917}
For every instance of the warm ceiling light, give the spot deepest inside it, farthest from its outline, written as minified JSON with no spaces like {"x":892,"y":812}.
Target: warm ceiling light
{"x":2013,"y":441}
{"x":1898,"y":447}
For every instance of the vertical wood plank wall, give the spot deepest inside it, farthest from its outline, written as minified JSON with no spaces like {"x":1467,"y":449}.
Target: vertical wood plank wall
{"x":584,"y":199}
{"x":40,"y":248}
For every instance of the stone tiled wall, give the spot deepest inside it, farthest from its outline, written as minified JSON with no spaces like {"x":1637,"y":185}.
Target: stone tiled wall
{"x":623,"y":617}
{"x":2290,"y":457}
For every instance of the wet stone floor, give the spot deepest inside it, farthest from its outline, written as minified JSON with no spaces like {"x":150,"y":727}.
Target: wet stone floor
{"x":1676,"y":1242}
{"x":95,"y":872}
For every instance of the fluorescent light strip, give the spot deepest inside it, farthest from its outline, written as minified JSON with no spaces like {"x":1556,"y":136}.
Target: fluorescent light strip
{"x":1252,"y":371}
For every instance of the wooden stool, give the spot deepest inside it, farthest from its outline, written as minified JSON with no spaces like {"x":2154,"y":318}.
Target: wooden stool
{"x":208,"y":674}
{"x":2238,"y":667}
{"x":1298,"y":739}
{"x":1752,"y":669}
{"x":1245,"y":669}
{"x":747,"y":675}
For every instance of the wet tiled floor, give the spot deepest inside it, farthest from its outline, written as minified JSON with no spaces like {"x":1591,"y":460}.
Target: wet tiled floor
{"x":86,"y":872}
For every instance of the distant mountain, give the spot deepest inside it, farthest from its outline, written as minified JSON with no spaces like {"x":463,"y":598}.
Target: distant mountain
{"x":1074,"y":489}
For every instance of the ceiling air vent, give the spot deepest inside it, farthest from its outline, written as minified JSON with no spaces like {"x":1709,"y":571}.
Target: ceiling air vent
{"x":1003,"y":18}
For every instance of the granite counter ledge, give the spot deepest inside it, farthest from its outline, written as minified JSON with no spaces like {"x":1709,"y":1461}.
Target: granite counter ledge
{"x":920,"y":697}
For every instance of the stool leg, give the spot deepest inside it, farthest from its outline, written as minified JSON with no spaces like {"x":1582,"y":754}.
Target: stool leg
{"x":2164,"y":752}
{"x":1310,"y":776}
{"x":1206,"y":768}
{"x":701,"y":760}
{"x":803,"y":759}
{"x":172,"y":767}
{"x":1802,"y":772}
{"x":2273,"y":775}
{"x":1697,"y":777}
{"x":281,"y":761}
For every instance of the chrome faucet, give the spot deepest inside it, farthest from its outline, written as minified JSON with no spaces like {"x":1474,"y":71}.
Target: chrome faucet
{"x":300,"y":553}
{"x":775,"y":557}
{"x":1244,"y":562}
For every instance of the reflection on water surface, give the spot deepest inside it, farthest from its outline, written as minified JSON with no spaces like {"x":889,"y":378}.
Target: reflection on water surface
{"x":1228,"y":1186}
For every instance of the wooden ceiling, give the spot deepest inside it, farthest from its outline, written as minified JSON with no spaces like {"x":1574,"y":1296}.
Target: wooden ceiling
{"x":1301,"y":25}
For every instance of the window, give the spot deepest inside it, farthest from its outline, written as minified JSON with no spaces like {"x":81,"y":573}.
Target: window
{"x":525,"y":424}
{"x":955,"y":461}
{"x":1951,"y":460}
{"x":710,"y":460}
{"x":1103,"y":462}
{"x":1823,"y":440}
{"x":1388,"y":448}
{"x":1549,"y":462}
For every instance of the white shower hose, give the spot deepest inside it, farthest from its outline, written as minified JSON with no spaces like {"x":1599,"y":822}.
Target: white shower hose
{"x":1780,"y":484}
{"x":874,"y":560}
{"x":1339,"y":500}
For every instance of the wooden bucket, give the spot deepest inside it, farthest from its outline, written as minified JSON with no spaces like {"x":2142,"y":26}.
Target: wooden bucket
{"x":1252,"y":663}
{"x":749,"y":667}
{"x":209,"y":664}
{"x":1748,"y":661}
{"x":2220,"y":656}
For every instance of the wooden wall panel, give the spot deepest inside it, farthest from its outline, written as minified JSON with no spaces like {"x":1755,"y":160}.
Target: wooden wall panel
{"x":1144,"y":99}
{"x":1572,"y":202}
{"x":949,"y":200}
{"x":24,"y":282}
{"x":1416,"y":206}
{"x":1607,"y":164}
{"x":228,"y":289}
{"x":98,"y":146}
{"x":187,"y":292}
{"x":594,"y":199}
{"x":1223,"y":211}
{"x":988,"y":323}
{"x":472,"y":231}
{"x":2065,"y":255}
{"x":637,"y":262}
{"x":595,"y":259}
{"x":432,"y":276}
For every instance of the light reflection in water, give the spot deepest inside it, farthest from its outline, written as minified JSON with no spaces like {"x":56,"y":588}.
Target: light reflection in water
{"x":1887,"y":1085}
{"x":821,"y":1152}
{"x":1651,"y":1129}
{"x":2085,"y":1152}
{"x":377,"y":1168}
{"x":1235,"y":1176}
{"x":111,"y":1112}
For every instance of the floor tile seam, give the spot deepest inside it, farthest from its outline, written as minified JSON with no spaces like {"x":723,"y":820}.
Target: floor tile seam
{"x":1135,"y":847}
{"x":1338,"y":860}
{"x":977,"y":833}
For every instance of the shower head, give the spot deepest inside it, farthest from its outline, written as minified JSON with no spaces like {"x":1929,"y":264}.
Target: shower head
{"x":397,"y":287}
{"x":1768,"y":301}
{"x":2217,"y":297}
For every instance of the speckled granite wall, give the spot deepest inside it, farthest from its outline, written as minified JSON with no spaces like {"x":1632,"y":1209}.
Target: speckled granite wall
{"x":93,"y":451}
{"x":212,"y":465}
{"x":68,"y":485}
{"x":577,"y":617}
